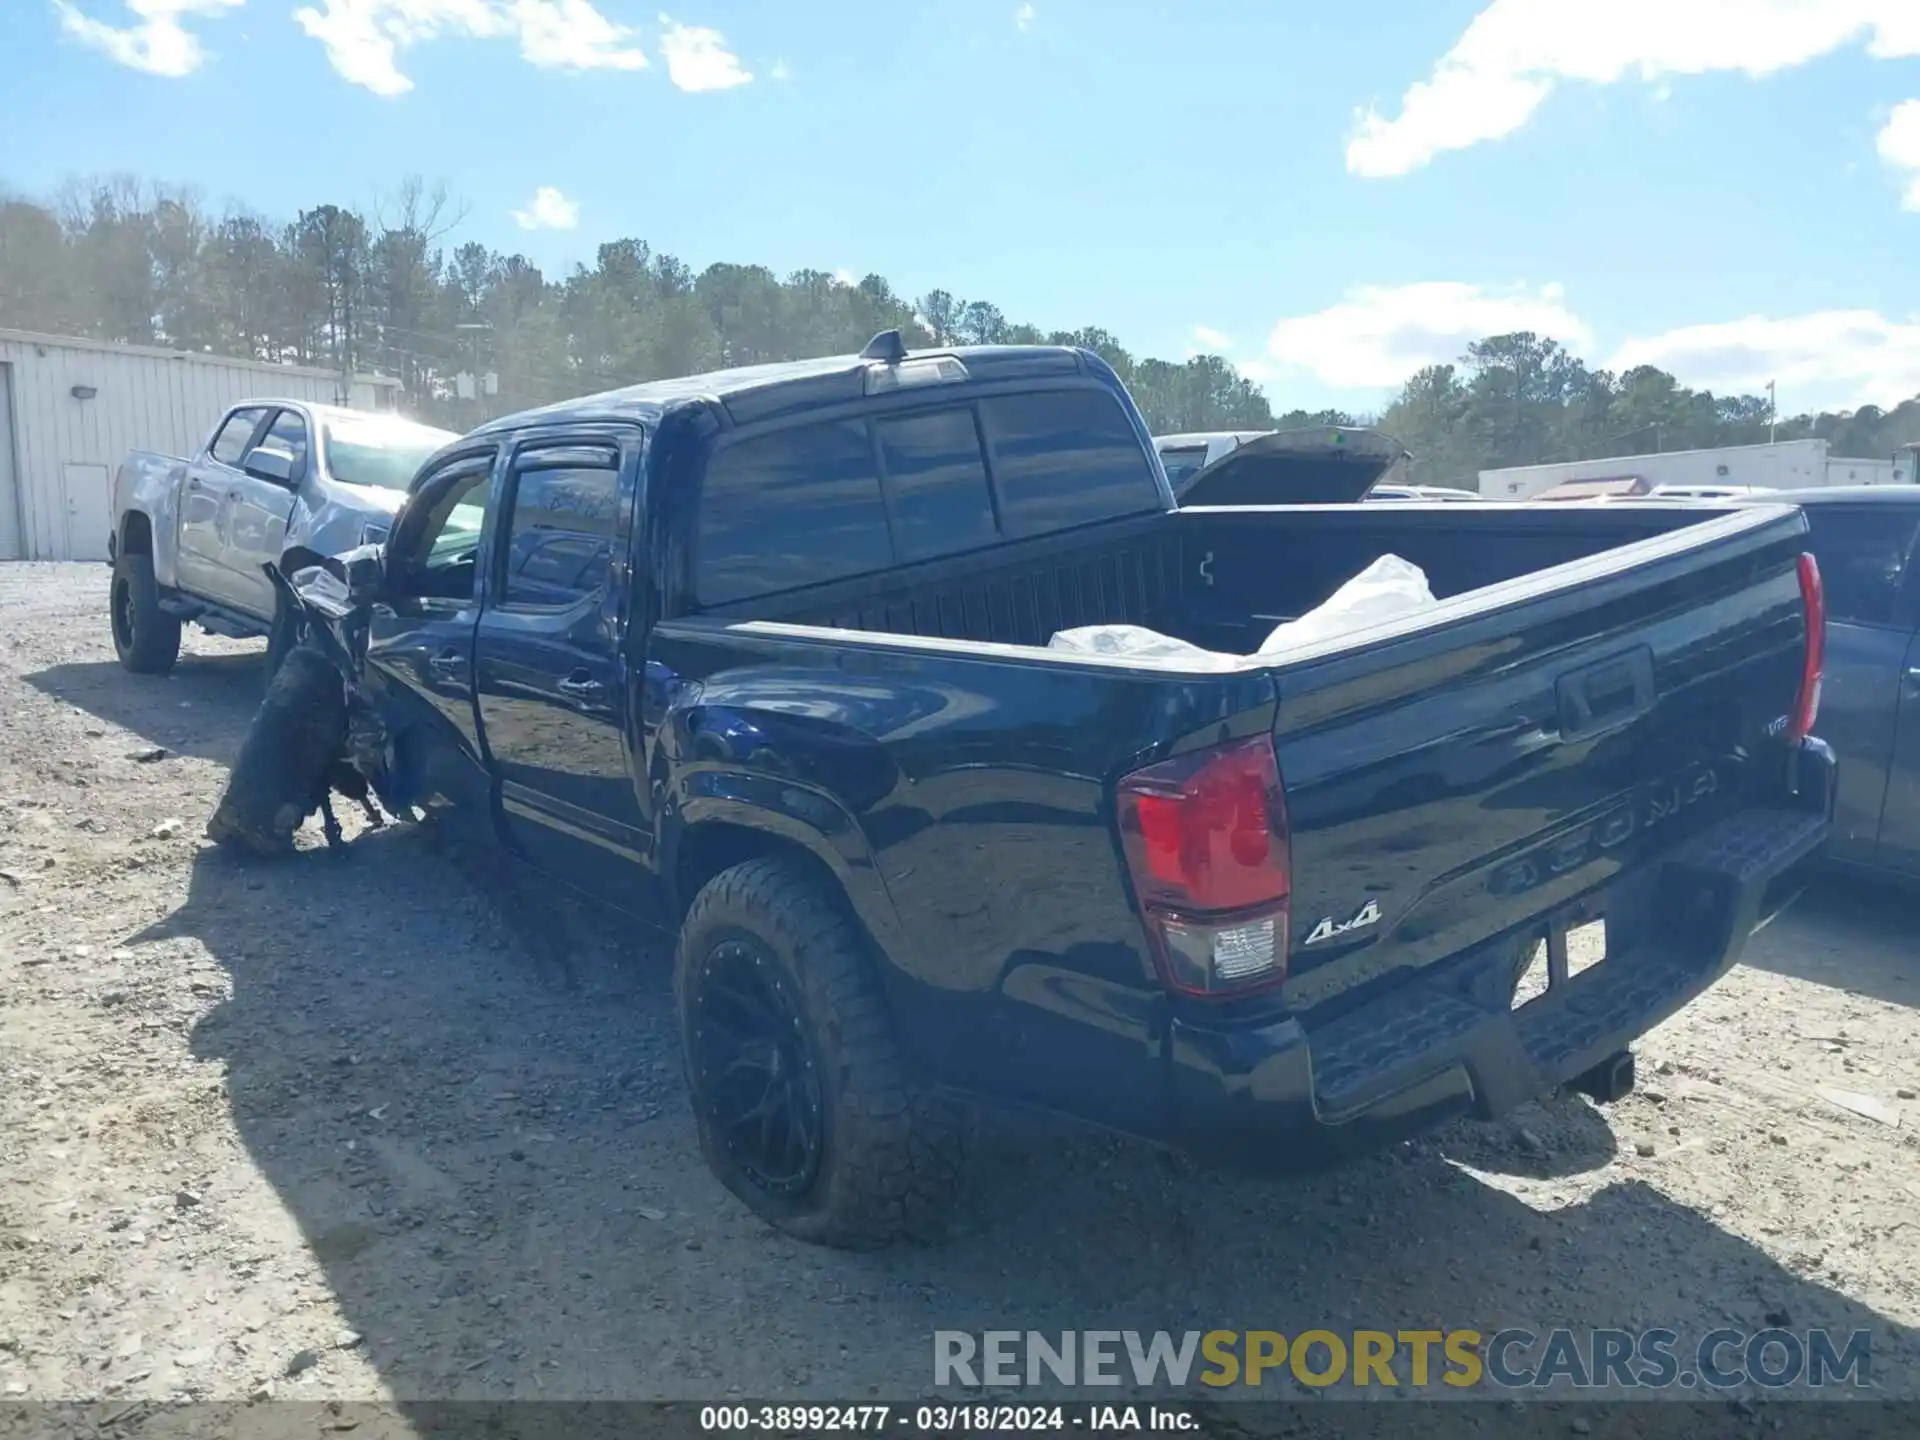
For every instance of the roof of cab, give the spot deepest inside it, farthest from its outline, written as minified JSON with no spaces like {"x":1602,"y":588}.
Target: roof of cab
{"x":760,"y":392}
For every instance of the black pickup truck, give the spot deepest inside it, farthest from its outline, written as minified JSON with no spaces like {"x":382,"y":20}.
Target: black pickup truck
{"x":762,"y":655}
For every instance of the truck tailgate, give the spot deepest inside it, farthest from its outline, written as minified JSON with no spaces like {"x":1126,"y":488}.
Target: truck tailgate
{"x":1528,"y":742}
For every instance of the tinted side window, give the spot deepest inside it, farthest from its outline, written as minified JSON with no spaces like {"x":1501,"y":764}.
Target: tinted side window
{"x":230,"y":445}
{"x":791,"y":508}
{"x":936,"y":483}
{"x":289,"y":433}
{"x":1862,"y":552}
{"x":560,"y":531}
{"x":1066,"y":457}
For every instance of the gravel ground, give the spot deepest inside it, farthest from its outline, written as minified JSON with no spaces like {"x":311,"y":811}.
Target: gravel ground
{"x":334,"y":1129}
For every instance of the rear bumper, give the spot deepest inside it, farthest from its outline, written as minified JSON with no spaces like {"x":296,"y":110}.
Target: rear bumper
{"x":1286,"y":1095}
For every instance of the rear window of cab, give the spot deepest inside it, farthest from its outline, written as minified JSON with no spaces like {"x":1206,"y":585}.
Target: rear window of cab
{"x":827,"y":500}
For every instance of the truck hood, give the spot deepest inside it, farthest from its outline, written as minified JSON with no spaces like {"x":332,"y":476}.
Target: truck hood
{"x":1317,"y":465}
{"x":371,"y":498}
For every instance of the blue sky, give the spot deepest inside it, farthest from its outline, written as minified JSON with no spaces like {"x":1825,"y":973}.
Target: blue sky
{"x":1331,"y":194}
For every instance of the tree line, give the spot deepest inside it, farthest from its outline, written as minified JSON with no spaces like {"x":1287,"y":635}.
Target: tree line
{"x":1524,"y":399}
{"x":391,"y":290}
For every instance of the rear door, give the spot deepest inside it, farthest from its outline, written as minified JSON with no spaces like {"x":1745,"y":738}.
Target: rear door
{"x":202,"y":564}
{"x":551,"y":681}
{"x":1863,"y":551}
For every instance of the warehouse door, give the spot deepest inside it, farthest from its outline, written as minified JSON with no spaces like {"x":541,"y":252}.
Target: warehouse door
{"x":10,"y":548}
{"x":89,"y":511}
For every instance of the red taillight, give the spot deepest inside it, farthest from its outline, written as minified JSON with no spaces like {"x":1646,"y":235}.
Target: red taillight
{"x":1205,"y":836}
{"x":1813,"y":598}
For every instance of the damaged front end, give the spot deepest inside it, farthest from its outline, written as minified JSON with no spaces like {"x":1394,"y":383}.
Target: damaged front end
{"x":316,"y":733}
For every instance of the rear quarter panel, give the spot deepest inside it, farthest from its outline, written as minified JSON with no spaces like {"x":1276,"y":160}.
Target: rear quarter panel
{"x":148,"y":485}
{"x":976,"y":791}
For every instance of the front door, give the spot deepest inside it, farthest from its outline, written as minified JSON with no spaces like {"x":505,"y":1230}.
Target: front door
{"x":257,"y":514}
{"x":420,"y":642}
{"x":549,"y":671}
{"x":201,"y":564}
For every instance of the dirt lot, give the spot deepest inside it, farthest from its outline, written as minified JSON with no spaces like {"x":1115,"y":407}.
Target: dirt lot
{"x":330,"y":1130}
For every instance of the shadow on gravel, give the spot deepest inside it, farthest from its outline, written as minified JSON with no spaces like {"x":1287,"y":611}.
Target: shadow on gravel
{"x":200,"y":709}
{"x":500,"y":1183}
{"x":1850,"y":933}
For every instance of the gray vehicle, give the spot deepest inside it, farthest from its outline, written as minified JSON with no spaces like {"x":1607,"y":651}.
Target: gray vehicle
{"x":275,"y":477}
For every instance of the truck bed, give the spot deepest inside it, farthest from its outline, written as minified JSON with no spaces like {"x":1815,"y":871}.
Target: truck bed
{"x":1439,"y":769}
{"x":1265,"y":565}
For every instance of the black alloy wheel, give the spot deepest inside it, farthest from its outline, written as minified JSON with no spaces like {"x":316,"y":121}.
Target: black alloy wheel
{"x":757,"y":1069}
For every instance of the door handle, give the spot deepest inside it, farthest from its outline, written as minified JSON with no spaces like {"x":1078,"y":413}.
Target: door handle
{"x":580,"y":685}
{"x":1913,"y":674}
{"x":447,"y":662}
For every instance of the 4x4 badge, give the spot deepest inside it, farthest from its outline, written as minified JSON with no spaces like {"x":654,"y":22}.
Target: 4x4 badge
{"x":1329,"y":928}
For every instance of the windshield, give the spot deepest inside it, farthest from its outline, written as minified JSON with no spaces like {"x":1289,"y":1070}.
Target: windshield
{"x":383,"y":454}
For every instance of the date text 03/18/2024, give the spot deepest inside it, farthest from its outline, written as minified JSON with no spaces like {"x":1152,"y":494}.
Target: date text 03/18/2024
{"x":939,"y":1419}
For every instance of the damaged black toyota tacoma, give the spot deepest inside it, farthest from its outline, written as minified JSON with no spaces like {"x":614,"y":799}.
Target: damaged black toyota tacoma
{"x":763,"y":657}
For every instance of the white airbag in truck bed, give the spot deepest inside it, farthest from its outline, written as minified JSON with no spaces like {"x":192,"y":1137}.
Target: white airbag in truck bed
{"x":1387,"y":589}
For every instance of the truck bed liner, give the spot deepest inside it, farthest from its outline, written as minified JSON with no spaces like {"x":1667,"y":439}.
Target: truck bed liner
{"x":1160,"y":571}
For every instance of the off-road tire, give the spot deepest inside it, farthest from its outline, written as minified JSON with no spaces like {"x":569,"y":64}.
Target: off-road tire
{"x":280,"y":770}
{"x":145,"y":637}
{"x":282,"y":636}
{"x":893,"y":1154}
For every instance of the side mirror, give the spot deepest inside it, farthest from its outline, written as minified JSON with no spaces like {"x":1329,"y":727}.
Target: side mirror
{"x":267,"y":462}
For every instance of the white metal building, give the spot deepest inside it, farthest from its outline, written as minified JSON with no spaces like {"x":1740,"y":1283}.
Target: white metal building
{"x":70,"y":410}
{"x":1784,"y":465}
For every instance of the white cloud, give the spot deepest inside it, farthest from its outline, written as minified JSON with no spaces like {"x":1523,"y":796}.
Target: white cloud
{"x":1377,"y":336}
{"x":1829,"y":358}
{"x":572,"y":35}
{"x":1380,"y":334}
{"x":1899,"y":146}
{"x":1211,"y":340}
{"x":157,"y":42}
{"x":1515,"y":51}
{"x":779,"y":71}
{"x":844,"y":277}
{"x":549,"y":210}
{"x":698,"y":59}
{"x":1023,"y":18}
{"x":364,"y":38}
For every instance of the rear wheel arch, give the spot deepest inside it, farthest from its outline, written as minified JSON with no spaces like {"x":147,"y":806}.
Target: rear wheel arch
{"x":136,"y":533}
{"x":706,"y":849}
{"x":713,"y":835}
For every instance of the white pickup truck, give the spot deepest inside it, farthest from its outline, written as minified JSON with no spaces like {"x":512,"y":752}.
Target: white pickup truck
{"x":190,"y":535}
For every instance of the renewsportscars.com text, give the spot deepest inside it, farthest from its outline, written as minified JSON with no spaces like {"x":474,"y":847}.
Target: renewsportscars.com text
{"x":1509,"y":1359}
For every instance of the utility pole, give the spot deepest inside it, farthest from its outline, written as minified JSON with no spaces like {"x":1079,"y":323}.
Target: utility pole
{"x":1773,"y":412}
